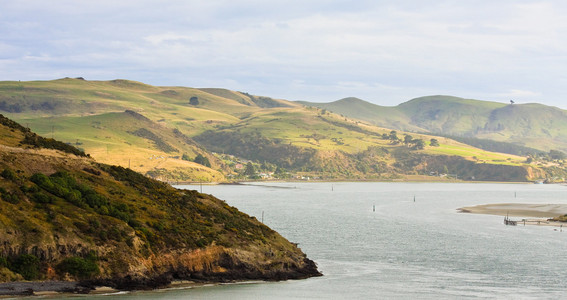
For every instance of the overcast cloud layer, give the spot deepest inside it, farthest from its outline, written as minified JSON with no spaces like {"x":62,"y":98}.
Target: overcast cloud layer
{"x":386,"y":52}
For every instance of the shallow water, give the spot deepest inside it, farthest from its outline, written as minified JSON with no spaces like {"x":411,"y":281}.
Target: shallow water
{"x":372,"y":240}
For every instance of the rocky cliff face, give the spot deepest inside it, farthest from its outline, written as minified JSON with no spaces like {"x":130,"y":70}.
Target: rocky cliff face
{"x":65,"y":217}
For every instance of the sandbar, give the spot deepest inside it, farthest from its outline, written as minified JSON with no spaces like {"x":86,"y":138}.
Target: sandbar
{"x":518,"y":210}
{"x":544,"y":212}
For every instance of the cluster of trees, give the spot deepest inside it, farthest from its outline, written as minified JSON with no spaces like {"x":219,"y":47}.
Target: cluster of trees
{"x":408,"y":140}
{"x":553,"y":155}
{"x":200,"y":159}
{"x":254,"y":145}
{"x":30,"y":267}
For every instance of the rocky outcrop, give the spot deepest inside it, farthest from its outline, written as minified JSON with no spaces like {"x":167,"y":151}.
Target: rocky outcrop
{"x":213,"y":264}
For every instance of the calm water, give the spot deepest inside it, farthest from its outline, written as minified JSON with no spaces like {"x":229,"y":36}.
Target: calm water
{"x":403,"y":249}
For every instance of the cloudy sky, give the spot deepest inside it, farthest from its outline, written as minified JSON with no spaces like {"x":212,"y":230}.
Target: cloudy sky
{"x":386,"y":52}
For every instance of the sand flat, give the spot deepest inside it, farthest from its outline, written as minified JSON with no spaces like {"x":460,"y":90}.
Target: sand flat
{"x":518,"y":210}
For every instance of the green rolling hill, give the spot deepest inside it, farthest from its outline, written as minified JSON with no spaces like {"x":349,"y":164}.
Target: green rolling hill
{"x":531,"y":125}
{"x":160,"y":131}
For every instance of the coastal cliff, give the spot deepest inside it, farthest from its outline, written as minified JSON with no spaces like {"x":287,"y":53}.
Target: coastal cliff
{"x":65,"y":217}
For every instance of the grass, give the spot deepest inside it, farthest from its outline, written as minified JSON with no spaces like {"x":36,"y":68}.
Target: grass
{"x":90,"y":115}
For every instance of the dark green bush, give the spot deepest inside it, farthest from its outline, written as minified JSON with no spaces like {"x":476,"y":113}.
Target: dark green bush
{"x":37,"y":141}
{"x":27,"y":265}
{"x":9,"y":174}
{"x":79,"y":267}
{"x":41,"y":197}
{"x":3,"y":262}
{"x":11,"y":198}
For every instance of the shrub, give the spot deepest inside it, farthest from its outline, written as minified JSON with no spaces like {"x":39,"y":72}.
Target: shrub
{"x":27,"y":265}
{"x":11,"y":198}
{"x":41,"y":197}
{"x":79,"y":267}
{"x":200,"y":159}
{"x":3,"y":262}
{"x":9,"y":174}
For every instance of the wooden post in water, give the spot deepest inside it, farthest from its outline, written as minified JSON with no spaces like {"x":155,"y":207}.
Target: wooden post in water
{"x":373,"y":208}
{"x":262,"y":217}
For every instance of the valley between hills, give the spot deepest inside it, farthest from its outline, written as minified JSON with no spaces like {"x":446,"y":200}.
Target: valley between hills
{"x":182,"y":134}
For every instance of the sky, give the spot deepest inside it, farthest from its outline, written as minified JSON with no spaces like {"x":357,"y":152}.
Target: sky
{"x":385,"y":52}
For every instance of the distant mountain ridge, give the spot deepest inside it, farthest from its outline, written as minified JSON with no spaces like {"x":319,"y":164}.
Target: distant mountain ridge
{"x":532,"y":125}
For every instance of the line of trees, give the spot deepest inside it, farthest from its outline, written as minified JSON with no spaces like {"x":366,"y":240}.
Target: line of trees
{"x":408,"y":140}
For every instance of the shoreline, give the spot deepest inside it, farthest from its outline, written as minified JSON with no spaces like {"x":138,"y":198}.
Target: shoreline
{"x":531,"y":214}
{"x":41,"y":288}
{"x":250,"y":182}
{"x":48,"y":288}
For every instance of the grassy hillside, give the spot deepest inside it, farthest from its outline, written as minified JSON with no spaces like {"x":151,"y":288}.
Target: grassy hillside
{"x":531,"y":125}
{"x":66,"y":216}
{"x":152,"y":129}
{"x":355,"y":108}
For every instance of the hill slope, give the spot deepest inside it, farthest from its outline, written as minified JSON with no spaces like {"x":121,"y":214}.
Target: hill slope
{"x":532,"y":125}
{"x":65,"y":216}
{"x":151,"y":129}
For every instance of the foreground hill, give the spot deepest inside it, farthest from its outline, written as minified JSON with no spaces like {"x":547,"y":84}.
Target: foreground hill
{"x":532,"y":125}
{"x":63,"y":216}
{"x":188,"y":134}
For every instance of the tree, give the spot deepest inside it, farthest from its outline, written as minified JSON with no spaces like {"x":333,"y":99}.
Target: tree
{"x":556,"y":154}
{"x":250,"y":171}
{"x":200,"y":159}
{"x":418,"y":144}
{"x":408,"y":139}
{"x":194,"y":101}
{"x":434,"y":143}
{"x":393,"y":137}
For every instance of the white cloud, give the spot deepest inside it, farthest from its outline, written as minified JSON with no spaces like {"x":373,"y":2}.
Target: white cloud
{"x":384,"y":51}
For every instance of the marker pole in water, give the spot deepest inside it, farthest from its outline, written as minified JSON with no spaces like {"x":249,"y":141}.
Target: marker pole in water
{"x":262,"y":217}
{"x":373,"y":207}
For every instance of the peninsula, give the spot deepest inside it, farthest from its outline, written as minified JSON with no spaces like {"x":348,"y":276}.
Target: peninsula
{"x":69,"y":223}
